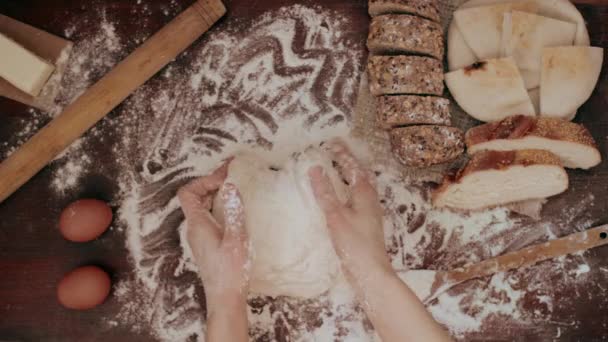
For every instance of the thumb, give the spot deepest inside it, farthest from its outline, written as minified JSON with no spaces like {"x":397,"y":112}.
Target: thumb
{"x":202,"y":229}
{"x":326,"y":197}
{"x":234,"y":215}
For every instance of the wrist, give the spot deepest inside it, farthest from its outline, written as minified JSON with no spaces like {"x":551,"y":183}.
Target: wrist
{"x":226,"y":302}
{"x":373,"y":280}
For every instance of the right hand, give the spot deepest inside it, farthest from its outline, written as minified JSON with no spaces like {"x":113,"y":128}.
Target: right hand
{"x":355,"y":228}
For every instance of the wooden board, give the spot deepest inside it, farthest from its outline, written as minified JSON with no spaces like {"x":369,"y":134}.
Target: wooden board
{"x":33,"y":256}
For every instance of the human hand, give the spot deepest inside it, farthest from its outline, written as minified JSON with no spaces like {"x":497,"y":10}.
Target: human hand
{"x":356,"y":227}
{"x":221,"y":253}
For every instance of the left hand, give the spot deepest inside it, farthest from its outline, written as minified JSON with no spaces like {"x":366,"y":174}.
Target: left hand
{"x":221,"y":253}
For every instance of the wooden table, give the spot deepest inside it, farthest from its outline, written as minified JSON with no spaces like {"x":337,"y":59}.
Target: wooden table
{"x":33,"y":256}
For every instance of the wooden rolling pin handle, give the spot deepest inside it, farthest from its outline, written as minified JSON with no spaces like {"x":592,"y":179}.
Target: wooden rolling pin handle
{"x":107,"y":93}
{"x":532,"y":255}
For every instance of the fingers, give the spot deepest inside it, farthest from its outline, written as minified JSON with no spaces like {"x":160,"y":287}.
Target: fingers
{"x":206,"y":185}
{"x":196,"y":199}
{"x":326,"y":197}
{"x":202,"y":229}
{"x":235,"y":233}
{"x":348,"y":166}
{"x":234,"y":212}
{"x":364,"y":195}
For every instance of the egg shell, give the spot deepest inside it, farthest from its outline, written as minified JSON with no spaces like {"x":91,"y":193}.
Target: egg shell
{"x":85,"y":220}
{"x":84,"y":288}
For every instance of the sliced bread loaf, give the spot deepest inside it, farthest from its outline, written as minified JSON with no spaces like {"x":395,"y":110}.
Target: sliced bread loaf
{"x":405,"y":34}
{"x":425,"y":8}
{"x":571,"y":142}
{"x":405,"y":110}
{"x":422,"y":146}
{"x":405,"y":75}
{"x":493,"y":178}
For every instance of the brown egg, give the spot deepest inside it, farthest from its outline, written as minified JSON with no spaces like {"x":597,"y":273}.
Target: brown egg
{"x":85,"y":220}
{"x":84,"y":288}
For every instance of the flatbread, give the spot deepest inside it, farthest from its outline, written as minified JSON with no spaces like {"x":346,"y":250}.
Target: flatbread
{"x":535,"y":98}
{"x":459,"y":53}
{"x":557,"y":9}
{"x":481,"y":26}
{"x":490,"y":90}
{"x":568,"y":76}
{"x":524,"y":37}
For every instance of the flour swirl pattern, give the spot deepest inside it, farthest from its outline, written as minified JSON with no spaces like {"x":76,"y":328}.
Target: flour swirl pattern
{"x":294,"y":64}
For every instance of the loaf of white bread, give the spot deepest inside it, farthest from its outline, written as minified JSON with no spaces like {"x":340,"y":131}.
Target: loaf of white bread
{"x":494,"y":178}
{"x":571,"y":142}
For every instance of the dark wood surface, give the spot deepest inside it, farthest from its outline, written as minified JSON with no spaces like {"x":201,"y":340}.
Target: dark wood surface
{"x":33,"y":255}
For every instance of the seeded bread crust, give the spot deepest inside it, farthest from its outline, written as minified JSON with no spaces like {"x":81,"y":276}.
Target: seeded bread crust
{"x":393,"y":75}
{"x":519,"y":126}
{"x":425,"y":8}
{"x":497,"y":160}
{"x":404,"y":110}
{"x":406,"y":34}
{"x":422,"y":146}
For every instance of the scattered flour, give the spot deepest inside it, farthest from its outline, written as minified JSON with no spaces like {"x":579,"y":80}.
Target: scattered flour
{"x":275,"y":85}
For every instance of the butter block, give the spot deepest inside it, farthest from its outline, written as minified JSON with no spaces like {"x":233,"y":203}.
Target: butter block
{"x":22,"y":68}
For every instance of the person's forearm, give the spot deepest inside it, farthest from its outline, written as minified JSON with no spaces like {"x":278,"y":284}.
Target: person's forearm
{"x":396,"y":313}
{"x":227,"y":319}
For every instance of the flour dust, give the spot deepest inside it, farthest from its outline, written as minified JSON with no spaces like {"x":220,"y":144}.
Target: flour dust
{"x":275,"y":86}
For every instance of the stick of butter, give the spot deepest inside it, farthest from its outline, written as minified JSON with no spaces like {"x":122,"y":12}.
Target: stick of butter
{"x":22,"y":68}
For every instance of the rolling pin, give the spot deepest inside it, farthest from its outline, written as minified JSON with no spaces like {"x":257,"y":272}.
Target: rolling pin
{"x":107,"y":93}
{"x":441,"y":281}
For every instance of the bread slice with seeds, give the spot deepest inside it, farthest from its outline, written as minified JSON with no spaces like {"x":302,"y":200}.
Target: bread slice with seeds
{"x":392,"y":33}
{"x":406,"y":110}
{"x":571,"y":142}
{"x":427,"y":145}
{"x":493,"y":178}
{"x":425,"y":8}
{"x":405,"y":75}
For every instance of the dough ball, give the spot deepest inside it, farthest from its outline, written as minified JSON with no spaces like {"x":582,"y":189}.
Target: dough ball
{"x":291,"y":247}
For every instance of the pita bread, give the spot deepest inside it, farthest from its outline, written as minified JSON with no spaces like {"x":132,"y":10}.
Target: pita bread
{"x":568,"y":76}
{"x":490,"y":90}
{"x":459,"y":53}
{"x":524,"y":37}
{"x":481,"y":27}
{"x":535,"y":98}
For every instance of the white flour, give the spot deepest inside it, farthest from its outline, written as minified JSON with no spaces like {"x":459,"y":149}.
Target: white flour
{"x":275,"y":85}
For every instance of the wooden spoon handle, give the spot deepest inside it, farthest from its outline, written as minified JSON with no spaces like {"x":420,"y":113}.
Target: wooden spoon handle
{"x":531,"y":255}
{"x":107,"y":93}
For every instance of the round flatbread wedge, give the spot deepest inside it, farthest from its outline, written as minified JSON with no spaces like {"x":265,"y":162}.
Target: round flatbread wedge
{"x":460,"y":54}
{"x":568,"y":76}
{"x":524,"y":37}
{"x":491,"y":90}
{"x":481,"y":27}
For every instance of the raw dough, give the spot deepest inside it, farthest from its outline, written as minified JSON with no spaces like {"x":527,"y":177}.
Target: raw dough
{"x":292,"y":251}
